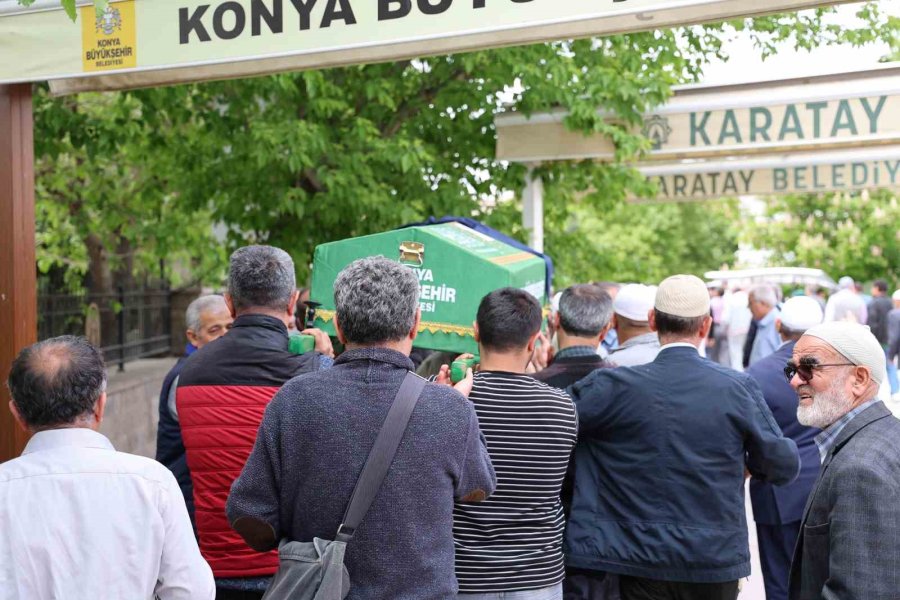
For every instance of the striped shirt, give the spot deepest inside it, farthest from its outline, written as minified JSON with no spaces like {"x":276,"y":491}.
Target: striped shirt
{"x":513,"y":540}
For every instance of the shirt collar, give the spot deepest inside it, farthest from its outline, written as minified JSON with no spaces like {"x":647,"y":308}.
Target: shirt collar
{"x":256,"y":320}
{"x":576,"y":351}
{"x":680,"y":345}
{"x":79,"y":437}
{"x":385,"y":355}
{"x":769,"y":318}
{"x":825,"y":440}
{"x":645,"y":338}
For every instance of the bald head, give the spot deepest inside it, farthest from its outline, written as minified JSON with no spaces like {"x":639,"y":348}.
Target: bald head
{"x":57,"y":383}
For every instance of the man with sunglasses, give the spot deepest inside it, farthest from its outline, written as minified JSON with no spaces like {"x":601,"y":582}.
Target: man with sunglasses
{"x":850,"y":535}
{"x":777,"y":510}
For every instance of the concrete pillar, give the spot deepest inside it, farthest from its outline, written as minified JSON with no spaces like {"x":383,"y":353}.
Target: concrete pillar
{"x":533,"y":210}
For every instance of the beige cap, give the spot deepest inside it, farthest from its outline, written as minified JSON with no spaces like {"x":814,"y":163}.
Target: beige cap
{"x":855,"y":342}
{"x":682,"y":296}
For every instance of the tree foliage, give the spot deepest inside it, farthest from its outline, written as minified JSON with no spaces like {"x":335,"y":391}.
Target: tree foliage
{"x":852,"y":234}
{"x":69,"y":6}
{"x":104,"y":206}
{"x":298,"y":159}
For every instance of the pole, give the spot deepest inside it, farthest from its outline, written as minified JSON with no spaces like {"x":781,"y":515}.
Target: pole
{"x":533,"y":210}
{"x":18,"y":278}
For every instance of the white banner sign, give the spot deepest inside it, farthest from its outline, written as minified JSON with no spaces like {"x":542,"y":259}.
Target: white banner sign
{"x":776,"y":175}
{"x":149,"y":42}
{"x":703,"y":121}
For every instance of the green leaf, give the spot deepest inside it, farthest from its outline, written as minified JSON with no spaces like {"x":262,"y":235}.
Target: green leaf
{"x":69,"y":6}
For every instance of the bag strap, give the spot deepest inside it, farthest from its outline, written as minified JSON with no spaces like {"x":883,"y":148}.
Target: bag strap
{"x":381,"y":455}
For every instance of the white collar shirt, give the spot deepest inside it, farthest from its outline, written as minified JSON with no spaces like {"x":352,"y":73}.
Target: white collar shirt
{"x":79,"y":520}
{"x":679,"y":345}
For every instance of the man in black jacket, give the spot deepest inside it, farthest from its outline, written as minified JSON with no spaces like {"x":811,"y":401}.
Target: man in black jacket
{"x":222,"y":393}
{"x":207,"y":319}
{"x":582,"y":321}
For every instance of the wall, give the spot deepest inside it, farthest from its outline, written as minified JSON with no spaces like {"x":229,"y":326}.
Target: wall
{"x":132,"y":405}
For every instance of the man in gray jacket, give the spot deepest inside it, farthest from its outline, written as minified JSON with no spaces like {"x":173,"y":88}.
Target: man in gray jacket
{"x":850,"y":535}
{"x":317,"y":432}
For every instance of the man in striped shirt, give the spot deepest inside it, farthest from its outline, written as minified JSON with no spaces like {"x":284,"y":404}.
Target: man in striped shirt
{"x":511,"y":543}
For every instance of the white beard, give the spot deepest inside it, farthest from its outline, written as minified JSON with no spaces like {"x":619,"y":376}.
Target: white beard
{"x":826,"y":408}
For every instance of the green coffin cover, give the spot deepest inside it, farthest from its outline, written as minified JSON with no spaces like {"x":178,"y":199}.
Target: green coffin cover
{"x":456,"y":267}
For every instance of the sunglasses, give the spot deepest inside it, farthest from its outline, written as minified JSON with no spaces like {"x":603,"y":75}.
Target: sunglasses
{"x":805,"y":369}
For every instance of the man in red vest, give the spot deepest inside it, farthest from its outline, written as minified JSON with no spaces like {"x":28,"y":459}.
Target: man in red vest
{"x":222,"y":393}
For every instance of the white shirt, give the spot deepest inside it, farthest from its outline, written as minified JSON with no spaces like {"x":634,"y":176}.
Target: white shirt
{"x":79,"y":520}
{"x":679,"y":345}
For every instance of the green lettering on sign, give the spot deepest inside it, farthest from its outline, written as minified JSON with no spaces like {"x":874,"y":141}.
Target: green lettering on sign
{"x":757,"y":129}
{"x":699,"y":128}
{"x":816,"y":107}
{"x":730,"y":128}
{"x":790,"y":124}
{"x":873,"y":114}
{"x":779,"y":179}
{"x":844,"y":119}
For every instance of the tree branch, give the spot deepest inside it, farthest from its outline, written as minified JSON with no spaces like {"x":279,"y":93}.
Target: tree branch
{"x":411,"y":107}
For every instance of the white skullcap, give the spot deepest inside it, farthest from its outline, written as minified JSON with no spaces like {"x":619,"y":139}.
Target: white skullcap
{"x":846,"y":282}
{"x":554,"y":302}
{"x":800,"y":313}
{"x":682,"y":296}
{"x":634,"y":301}
{"x":895,"y":295}
{"x":855,"y":342}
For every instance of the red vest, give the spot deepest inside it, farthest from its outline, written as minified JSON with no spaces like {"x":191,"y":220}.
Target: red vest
{"x":222,"y":393}
{"x":218,"y":425}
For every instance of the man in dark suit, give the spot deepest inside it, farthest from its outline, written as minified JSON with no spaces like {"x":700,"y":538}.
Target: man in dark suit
{"x":777,"y":510}
{"x":582,"y":321}
{"x":660,"y":460}
{"x":850,"y":540}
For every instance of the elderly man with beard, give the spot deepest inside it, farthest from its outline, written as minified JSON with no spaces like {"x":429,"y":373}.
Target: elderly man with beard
{"x":850,"y":535}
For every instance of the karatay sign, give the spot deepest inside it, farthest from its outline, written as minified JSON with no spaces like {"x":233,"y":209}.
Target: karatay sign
{"x":706,"y":123}
{"x":834,"y":171}
{"x":152,"y":42}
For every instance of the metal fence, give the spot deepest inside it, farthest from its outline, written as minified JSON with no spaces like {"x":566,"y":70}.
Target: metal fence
{"x":127,"y":325}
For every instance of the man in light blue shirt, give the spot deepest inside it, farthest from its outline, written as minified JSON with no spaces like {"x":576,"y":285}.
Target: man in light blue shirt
{"x":763,"y":303}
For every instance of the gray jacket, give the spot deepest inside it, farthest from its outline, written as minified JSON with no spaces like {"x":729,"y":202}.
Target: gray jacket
{"x":313,"y":441}
{"x":850,"y":539}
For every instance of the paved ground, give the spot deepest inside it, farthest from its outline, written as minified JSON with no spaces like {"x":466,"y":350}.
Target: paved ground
{"x":753,"y":586}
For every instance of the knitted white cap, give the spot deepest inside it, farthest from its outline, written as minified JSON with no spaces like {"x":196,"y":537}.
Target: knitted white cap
{"x":855,"y":342}
{"x":634,"y":301}
{"x":682,"y":296}
{"x":800,"y":313}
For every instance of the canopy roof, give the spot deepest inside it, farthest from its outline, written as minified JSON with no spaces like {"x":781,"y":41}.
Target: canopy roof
{"x":140,"y":43}
{"x":781,"y":275}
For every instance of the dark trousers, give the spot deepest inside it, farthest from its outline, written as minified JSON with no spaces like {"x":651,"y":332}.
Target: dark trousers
{"x":581,"y":584}
{"x":222,"y":594}
{"x":776,"y":548}
{"x":639,"y":588}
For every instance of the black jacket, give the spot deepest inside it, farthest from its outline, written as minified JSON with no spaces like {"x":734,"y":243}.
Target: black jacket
{"x":169,"y":445}
{"x":565,"y":371}
{"x":878,"y":318}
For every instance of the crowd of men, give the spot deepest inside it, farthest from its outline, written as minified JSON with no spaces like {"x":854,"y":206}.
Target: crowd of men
{"x":603,"y":459}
